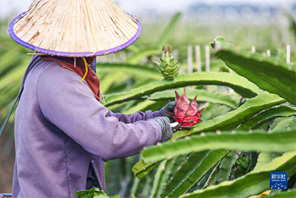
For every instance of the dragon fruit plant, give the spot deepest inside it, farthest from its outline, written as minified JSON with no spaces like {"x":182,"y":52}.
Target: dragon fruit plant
{"x":167,"y":64}
{"x":186,"y":113}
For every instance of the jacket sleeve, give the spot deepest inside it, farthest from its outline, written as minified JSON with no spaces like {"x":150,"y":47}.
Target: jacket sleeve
{"x":137,"y":116}
{"x":71,"y":106}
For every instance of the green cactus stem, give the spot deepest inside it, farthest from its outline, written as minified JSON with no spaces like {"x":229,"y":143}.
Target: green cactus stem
{"x":239,"y":84}
{"x":192,"y":170}
{"x":252,"y":183}
{"x":226,"y":166}
{"x":268,"y":73}
{"x":254,"y":141}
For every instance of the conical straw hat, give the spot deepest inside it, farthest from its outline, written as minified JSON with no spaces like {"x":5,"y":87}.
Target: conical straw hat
{"x":75,"y":28}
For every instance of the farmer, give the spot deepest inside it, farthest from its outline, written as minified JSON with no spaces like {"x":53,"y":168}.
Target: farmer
{"x":63,"y":134}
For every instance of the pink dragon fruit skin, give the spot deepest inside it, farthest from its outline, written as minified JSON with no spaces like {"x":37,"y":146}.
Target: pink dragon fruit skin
{"x":186,"y":114}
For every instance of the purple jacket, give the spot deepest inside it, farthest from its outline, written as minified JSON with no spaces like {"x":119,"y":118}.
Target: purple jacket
{"x":60,"y":128}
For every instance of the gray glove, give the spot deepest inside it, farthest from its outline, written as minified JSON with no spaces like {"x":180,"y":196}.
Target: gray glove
{"x":168,"y":110}
{"x":166,"y":130}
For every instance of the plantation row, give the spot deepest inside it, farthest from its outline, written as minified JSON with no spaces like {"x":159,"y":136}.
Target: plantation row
{"x":245,"y":135}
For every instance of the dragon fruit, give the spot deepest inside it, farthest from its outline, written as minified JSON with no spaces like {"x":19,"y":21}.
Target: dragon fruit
{"x":186,"y":113}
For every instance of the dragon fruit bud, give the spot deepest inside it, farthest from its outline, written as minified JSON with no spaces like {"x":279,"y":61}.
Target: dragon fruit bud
{"x":167,"y":65}
{"x":186,"y":113}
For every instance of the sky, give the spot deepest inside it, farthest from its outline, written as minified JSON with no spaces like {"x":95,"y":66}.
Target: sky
{"x":10,"y":8}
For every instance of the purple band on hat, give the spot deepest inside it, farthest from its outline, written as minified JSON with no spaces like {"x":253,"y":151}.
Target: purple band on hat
{"x":71,"y":54}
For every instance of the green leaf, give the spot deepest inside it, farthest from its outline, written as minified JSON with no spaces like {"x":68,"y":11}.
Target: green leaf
{"x":81,"y":192}
{"x":100,"y":196}
{"x":255,"y":141}
{"x":115,"y":196}
{"x":268,"y":73}
{"x":92,"y":193}
{"x":86,"y":193}
{"x":252,"y":183}
{"x":236,"y":82}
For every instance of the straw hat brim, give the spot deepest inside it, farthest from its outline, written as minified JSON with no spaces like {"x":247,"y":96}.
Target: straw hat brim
{"x":70,"y":54}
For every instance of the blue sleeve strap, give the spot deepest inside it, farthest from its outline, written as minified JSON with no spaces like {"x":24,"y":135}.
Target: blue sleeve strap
{"x":11,"y":110}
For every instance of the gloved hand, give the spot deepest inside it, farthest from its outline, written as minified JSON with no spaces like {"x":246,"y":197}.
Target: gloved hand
{"x":166,"y":130}
{"x":168,"y":110}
